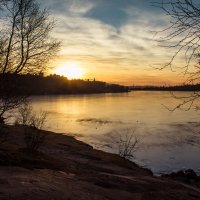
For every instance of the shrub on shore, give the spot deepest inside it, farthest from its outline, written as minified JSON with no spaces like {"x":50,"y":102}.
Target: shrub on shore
{"x":33,"y":124}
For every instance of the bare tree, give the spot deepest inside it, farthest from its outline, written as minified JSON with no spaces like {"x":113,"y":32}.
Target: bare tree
{"x":25,"y":42}
{"x":26,"y":45}
{"x":183,"y":32}
{"x":183,"y":35}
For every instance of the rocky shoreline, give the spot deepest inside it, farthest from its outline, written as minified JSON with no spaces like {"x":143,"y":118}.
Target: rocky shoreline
{"x":68,"y":169}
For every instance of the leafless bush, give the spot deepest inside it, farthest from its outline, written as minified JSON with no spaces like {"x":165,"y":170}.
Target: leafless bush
{"x":26,"y":116}
{"x":33,"y":124}
{"x":25,"y":112}
{"x":127,"y":143}
{"x":37,"y":121}
{"x":33,"y":135}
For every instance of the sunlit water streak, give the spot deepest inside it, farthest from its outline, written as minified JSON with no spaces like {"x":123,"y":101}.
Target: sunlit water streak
{"x":169,"y":141}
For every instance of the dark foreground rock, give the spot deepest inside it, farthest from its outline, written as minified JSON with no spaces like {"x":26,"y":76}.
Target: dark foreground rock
{"x":67,"y":169}
{"x":188,"y":176}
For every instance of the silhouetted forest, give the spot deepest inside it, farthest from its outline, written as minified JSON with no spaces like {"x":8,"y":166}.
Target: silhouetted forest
{"x":29,"y":84}
{"x":195,"y":87}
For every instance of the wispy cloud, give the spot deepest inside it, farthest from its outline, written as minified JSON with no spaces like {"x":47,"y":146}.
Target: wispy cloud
{"x":125,"y":48}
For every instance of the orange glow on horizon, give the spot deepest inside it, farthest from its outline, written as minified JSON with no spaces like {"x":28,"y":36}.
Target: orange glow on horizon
{"x":79,"y":68}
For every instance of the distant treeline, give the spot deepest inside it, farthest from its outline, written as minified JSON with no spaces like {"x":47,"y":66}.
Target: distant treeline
{"x":188,"y":87}
{"x":29,"y":84}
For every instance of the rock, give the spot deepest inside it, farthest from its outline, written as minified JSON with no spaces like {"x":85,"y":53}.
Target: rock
{"x":190,"y":174}
{"x":179,"y":174}
{"x":187,"y":176}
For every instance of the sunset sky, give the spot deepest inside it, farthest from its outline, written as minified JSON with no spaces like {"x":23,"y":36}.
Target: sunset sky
{"x":112,"y":40}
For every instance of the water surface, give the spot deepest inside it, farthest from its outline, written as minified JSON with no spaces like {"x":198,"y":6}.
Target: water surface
{"x":169,"y":141}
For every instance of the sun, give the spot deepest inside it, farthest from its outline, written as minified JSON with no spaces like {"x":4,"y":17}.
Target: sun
{"x":70,"y":69}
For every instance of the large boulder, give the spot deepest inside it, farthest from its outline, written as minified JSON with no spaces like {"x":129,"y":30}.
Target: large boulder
{"x":187,"y":176}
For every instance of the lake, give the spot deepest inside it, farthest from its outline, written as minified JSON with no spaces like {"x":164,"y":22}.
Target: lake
{"x":168,"y":141}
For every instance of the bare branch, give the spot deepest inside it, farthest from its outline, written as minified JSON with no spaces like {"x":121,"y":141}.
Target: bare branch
{"x":26,"y":46}
{"x":183,"y":36}
{"x":183,"y":30}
